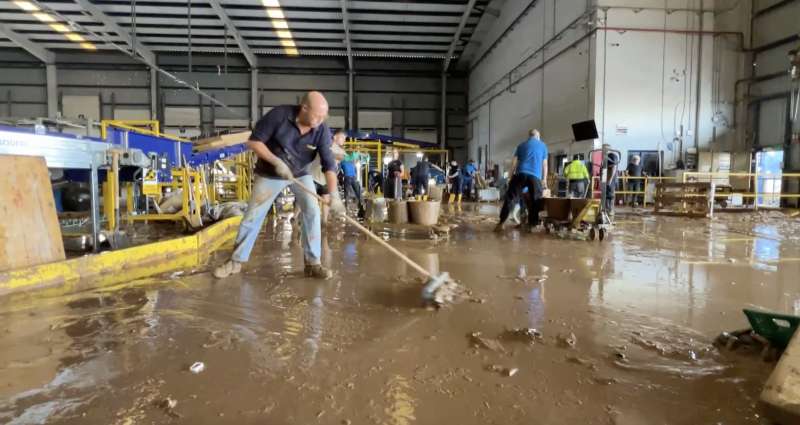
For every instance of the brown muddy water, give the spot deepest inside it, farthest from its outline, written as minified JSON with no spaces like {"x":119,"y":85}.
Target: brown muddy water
{"x":623,"y":332}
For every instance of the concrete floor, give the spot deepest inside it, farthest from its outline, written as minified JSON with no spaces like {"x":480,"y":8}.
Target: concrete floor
{"x":642,"y":308}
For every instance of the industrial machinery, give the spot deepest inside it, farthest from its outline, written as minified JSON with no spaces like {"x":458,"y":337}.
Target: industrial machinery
{"x":137,"y":165}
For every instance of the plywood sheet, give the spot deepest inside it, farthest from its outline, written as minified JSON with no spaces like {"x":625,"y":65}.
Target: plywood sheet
{"x":221,"y":141}
{"x":29,"y":231}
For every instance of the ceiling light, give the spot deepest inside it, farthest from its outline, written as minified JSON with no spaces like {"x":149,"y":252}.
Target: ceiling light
{"x":271,"y":3}
{"x":288,"y":43}
{"x":284,"y":34}
{"x":275,"y":13}
{"x":75,"y":37}
{"x":43,"y":17}
{"x":88,"y":46}
{"x":292,"y":52}
{"x":26,"y":5}
{"x":280,"y":24}
{"x":59,"y":27}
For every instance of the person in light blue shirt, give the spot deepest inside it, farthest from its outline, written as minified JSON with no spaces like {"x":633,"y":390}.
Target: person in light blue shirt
{"x":351,"y":186}
{"x":528,"y":170}
{"x":468,"y":178}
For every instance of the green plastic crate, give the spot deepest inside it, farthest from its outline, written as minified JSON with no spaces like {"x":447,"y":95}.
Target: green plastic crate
{"x":775,"y":327}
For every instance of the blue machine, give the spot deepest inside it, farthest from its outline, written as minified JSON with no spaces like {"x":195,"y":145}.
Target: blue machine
{"x":168,"y":153}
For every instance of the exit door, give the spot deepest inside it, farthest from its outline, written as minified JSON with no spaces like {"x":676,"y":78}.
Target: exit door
{"x":769,"y":166}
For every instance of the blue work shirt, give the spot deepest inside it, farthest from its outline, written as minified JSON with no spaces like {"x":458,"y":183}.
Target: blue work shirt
{"x":348,"y":168}
{"x":530,"y":157}
{"x":469,"y":170}
{"x":279,"y":132}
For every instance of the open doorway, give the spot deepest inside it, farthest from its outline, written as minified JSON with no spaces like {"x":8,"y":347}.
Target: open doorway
{"x":649,"y":161}
{"x":769,"y":166}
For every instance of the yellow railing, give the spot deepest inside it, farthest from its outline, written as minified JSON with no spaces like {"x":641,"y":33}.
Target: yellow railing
{"x":624,"y":180}
{"x":148,"y":127}
{"x":753,"y":180}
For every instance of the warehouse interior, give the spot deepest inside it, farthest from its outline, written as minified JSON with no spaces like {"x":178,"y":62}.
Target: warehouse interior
{"x":509,"y":211}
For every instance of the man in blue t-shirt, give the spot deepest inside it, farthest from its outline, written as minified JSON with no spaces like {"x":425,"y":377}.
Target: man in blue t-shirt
{"x":468,"y":178}
{"x":350,"y":171}
{"x":529,"y":170}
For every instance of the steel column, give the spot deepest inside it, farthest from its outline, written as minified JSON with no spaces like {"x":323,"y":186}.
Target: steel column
{"x":52,"y":91}
{"x":255,"y":114}
{"x":443,"y":118}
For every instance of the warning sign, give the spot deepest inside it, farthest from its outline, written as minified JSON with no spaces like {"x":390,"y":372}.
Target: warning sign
{"x":150,"y":182}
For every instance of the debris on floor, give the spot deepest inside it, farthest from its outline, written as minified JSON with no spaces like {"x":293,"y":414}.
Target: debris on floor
{"x":478,"y":340}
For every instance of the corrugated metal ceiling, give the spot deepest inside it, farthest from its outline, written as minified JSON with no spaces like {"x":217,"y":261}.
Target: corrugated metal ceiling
{"x":387,"y":28}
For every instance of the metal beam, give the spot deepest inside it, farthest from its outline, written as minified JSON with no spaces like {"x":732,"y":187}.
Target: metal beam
{"x":346,"y":24}
{"x":255,"y":114}
{"x":110,"y":24}
{"x":443,"y":118}
{"x":223,"y":16}
{"x":20,"y":40}
{"x":153,"y":94}
{"x":52,"y":90}
{"x":350,"y":94}
{"x":457,"y":36}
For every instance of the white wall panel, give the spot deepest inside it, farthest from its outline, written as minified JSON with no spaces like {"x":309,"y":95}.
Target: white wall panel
{"x":81,"y":106}
{"x":181,"y":117}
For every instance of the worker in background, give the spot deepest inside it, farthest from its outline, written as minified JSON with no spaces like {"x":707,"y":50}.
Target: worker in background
{"x":635,"y":184}
{"x":611,"y":184}
{"x":320,"y":182}
{"x":454,"y":180}
{"x":528,"y":170}
{"x":351,"y":186}
{"x":286,"y":140}
{"x":468,"y":178}
{"x":577,"y":176}
{"x":394,"y":179}
{"x":421,"y":174}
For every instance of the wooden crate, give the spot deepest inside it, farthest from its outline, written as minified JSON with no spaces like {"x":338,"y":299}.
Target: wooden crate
{"x":29,"y":231}
{"x":695,"y":199}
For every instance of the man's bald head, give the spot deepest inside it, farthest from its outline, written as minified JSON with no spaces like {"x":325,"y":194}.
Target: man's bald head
{"x":313,"y":109}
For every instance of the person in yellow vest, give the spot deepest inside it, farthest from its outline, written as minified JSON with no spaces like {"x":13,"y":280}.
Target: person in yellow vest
{"x":577,"y":177}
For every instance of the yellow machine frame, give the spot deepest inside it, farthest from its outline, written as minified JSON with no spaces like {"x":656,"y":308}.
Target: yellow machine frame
{"x":149,"y":127}
{"x":370,"y":146}
{"x":190,"y":181}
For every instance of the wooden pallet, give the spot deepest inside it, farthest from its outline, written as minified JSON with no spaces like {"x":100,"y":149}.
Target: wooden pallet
{"x":29,"y":231}
{"x":694,"y":199}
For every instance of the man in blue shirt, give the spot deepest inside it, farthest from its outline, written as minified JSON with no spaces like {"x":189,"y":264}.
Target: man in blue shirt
{"x":468,"y":180}
{"x":350,"y":171}
{"x":529,"y":170}
{"x":286,"y":141}
{"x":420,"y":176}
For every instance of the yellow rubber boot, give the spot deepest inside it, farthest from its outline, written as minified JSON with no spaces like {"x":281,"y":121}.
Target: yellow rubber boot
{"x":459,"y":198}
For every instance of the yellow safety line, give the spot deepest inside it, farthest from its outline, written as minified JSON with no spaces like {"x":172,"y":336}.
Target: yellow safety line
{"x":124,"y":265}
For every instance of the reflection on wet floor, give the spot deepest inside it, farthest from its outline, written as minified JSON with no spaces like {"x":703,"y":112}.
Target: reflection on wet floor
{"x":639,"y":311}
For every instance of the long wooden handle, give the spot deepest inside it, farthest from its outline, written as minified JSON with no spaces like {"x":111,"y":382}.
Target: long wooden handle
{"x":367,"y":232}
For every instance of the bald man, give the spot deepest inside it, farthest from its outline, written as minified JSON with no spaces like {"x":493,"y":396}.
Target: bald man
{"x":286,"y":141}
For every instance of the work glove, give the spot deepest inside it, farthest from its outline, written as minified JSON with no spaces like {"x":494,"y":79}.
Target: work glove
{"x":336,"y":205}
{"x":282,"y":170}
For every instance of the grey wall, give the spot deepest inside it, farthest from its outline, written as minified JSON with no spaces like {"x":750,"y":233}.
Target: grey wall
{"x":647,"y":77}
{"x":411,"y":90}
{"x":539,"y":75}
{"x":775,"y":32}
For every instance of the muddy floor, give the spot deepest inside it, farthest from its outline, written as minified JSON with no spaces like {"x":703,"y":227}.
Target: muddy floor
{"x":617,"y":332}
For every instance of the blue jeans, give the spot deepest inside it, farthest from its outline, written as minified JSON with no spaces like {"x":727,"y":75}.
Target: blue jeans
{"x":268,"y":189}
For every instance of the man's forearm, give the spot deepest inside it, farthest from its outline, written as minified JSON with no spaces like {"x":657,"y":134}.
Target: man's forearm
{"x":330,"y":178}
{"x":544,"y":172}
